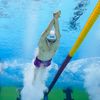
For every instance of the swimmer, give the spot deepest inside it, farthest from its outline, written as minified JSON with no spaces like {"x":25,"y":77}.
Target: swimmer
{"x":47,"y":47}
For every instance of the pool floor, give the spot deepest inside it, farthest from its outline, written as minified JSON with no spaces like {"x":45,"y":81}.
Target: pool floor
{"x":10,"y":93}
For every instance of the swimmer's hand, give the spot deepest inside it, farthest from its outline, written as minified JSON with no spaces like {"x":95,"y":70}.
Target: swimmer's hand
{"x":57,"y":14}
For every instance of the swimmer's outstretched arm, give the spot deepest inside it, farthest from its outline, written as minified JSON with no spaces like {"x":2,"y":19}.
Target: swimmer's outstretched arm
{"x":57,"y":31}
{"x":56,"y":24}
{"x":47,"y":31}
{"x":56,"y":15}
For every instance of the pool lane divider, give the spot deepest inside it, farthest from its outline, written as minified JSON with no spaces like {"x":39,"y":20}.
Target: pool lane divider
{"x":91,"y":20}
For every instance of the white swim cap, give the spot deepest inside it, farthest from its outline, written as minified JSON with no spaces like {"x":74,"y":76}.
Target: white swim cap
{"x":51,"y":37}
{"x":52,"y":32}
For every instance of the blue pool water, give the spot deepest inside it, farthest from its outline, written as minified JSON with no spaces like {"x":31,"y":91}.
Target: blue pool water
{"x":21,"y":25}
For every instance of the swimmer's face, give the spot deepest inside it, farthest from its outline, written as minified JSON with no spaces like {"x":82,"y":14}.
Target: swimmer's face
{"x":51,"y":38}
{"x":51,"y":41}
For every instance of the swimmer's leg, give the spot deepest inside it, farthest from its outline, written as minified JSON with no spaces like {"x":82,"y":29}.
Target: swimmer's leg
{"x":35,"y":74}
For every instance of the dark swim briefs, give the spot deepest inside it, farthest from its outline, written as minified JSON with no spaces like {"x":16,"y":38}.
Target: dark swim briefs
{"x":38,"y":63}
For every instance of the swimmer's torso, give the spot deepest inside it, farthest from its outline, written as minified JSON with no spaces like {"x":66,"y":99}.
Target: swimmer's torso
{"x":47,"y":50}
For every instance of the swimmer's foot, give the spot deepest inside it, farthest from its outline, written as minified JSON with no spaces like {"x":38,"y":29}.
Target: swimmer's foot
{"x":45,"y":91}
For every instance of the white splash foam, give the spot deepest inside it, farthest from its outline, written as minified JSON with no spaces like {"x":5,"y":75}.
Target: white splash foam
{"x":92,"y":81}
{"x":5,"y":64}
{"x":34,"y":83}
